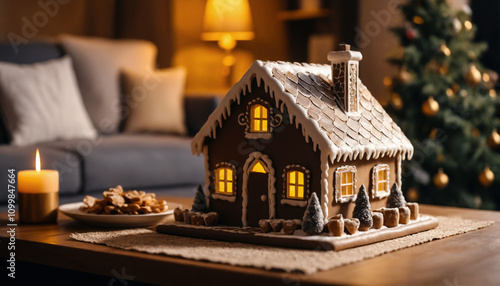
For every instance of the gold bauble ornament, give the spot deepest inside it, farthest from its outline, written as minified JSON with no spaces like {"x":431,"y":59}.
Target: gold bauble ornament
{"x":486,"y":177}
{"x":450,"y":93}
{"x":457,"y":25}
{"x":486,"y":77}
{"x":440,"y":158}
{"x":472,"y":55}
{"x":418,"y":20}
{"x":445,"y":50}
{"x":492,"y":93}
{"x":468,"y":25}
{"x":430,"y":107}
{"x":433,"y":133}
{"x":413,"y":195}
{"x":441,"y":179}
{"x":388,"y":81}
{"x":494,"y":139}
{"x":475,"y":132}
{"x":455,"y":88}
{"x":396,"y":101}
{"x":403,"y":76}
{"x":432,"y":65}
{"x":473,"y":76}
{"x":444,"y":70}
{"x":478,"y":201}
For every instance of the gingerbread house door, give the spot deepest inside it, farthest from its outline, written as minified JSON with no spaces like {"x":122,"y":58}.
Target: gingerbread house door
{"x":258,"y":190}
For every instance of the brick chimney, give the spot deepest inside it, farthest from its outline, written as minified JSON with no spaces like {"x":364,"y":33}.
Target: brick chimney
{"x":345,"y":67}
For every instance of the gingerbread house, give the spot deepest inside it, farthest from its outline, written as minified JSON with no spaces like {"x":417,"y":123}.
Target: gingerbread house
{"x":287,"y":130}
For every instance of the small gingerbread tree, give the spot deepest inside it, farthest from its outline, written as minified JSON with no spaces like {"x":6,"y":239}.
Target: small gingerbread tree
{"x":200,"y":201}
{"x":312,"y":223}
{"x":396,"y":199}
{"x":362,"y":210}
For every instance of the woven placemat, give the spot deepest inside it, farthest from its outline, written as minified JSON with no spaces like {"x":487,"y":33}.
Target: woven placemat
{"x":289,"y":260}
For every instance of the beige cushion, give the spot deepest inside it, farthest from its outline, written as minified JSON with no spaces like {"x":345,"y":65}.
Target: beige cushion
{"x":155,"y":101}
{"x":41,"y":102}
{"x":98,"y":63}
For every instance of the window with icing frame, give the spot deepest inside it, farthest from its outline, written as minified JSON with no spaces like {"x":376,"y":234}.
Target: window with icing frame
{"x":380,"y":181}
{"x":225,"y":180}
{"x":345,"y":184}
{"x":295,"y":185}
{"x":296,"y":180}
{"x":259,"y":119}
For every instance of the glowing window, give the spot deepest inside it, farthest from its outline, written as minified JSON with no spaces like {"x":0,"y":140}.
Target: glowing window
{"x":224,"y":180}
{"x":258,"y":168}
{"x":347,"y":183}
{"x":382,"y":178}
{"x":259,"y":118}
{"x":295,"y":185}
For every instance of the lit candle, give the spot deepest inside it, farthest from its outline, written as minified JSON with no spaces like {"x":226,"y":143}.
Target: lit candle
{"x":38,"y":194}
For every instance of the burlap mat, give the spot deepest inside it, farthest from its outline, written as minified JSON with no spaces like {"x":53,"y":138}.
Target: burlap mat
{"x":289,"y":260}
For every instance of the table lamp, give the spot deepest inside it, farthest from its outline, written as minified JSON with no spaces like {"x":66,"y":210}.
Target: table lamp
{"x":227,"y":21}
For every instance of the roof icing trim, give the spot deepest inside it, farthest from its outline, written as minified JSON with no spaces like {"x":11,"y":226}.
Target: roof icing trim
{"x":269,"y":73}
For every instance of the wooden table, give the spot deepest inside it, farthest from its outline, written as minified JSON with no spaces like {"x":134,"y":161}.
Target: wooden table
{"x":469,"y":259}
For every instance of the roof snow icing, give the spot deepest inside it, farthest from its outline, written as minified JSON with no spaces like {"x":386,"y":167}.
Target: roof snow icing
{"x":305,"y":89}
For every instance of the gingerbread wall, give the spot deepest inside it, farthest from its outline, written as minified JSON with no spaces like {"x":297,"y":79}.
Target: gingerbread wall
{"x":363,"y":177}
{"x":287,"y":146}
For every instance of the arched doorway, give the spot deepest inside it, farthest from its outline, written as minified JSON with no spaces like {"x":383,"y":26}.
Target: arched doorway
{"x":258,"y":189}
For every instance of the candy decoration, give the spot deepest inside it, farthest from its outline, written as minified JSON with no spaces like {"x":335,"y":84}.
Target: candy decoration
{"x":411,"y":34}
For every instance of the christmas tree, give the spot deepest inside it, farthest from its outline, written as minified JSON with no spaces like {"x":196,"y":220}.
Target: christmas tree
{"x":444,"y":101}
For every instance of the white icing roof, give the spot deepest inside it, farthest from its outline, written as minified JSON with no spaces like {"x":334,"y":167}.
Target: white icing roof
{"x":306,"y":91}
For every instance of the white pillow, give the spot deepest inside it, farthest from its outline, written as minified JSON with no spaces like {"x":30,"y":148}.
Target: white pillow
{"x":41,"y":102}
{"x":155,"y":101}
{"x":98,"y":63}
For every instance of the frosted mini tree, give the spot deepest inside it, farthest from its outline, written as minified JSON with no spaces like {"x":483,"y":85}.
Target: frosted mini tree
{"x":312,"y":222}
{"x":200,"y":201}
{"x":362,"y":210}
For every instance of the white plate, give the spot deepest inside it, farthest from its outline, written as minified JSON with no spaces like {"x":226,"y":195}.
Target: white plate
{"x":73,"y":210}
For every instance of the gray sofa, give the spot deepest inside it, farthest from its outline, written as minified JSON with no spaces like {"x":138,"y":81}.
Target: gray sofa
{"x":153,"y":162}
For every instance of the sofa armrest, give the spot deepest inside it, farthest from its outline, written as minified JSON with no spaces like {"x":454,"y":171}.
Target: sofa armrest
{"x":198,"y":109}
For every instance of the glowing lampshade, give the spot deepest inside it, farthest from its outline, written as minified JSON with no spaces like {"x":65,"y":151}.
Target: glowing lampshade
{"x":227,"y":21}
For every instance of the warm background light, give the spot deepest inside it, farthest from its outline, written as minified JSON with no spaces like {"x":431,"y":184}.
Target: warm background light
{"x":227,"y":21}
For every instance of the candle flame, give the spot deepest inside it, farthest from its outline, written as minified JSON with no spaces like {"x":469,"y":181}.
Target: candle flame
{"x":37,"y":160}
